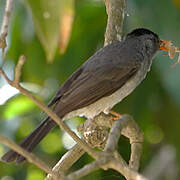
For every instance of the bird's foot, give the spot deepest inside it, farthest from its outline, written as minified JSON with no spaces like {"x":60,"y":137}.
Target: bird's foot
{"x":115,"y":115}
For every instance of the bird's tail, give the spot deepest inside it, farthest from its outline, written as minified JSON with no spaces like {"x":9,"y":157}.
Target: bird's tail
{"x":31,"y":141}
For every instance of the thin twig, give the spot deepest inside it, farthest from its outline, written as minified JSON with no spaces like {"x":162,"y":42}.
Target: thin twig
{"x":48,"y":111}
{"x":29,"y":156}
{"x":5,"y":24}
{"x":18,"y":69}
{"x":61,"y":124}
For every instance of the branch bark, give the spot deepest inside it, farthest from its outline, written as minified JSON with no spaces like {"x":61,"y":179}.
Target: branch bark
{"x":63,"y":126}
{"x":98,"y":126}
{"x":48,"y":111}
{"x":109,"y":158}
{"x":30,"y":157}
{"x":67,"y":160}
{"x":5,"y":24}
{"x":115,"y":10}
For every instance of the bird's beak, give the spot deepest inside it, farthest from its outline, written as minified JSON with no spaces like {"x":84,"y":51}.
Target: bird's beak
{"x":163,"y":45}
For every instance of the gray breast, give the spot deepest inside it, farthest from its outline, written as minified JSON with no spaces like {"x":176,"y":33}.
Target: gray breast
{"x":106,"y":103}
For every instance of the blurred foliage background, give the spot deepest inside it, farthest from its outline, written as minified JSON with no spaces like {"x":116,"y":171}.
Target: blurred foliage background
{"x":57,"y":37}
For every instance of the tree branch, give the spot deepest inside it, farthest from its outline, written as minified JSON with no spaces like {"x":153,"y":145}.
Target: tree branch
{"x":18,"y":69}
{"x":95,"y":134}
{"x":115,"y":133}
{"x":110,"y":159}
{"x":67,"y":160}
{"x":63,"y":126}
{"x":106,"y":159}
{"x":48,"y":111}
{"x":5,"y":24}
{"x":94,"y":131}
{"x":136,"y":137}
{"x":115,"y":10}
{"x":29,"y":156}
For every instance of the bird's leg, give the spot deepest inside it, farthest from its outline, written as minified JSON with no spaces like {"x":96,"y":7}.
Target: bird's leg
{"x":115,"y":115}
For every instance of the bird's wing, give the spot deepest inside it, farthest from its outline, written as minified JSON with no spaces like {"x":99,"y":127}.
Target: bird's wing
{"x":65,"y":87}
{"x":100,"y":76}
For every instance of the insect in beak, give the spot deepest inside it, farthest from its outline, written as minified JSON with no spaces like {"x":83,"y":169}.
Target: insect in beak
{"x":163,"y":45}
{"x":172,"y":50}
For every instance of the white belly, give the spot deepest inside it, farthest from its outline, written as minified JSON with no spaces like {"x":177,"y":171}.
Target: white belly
{"x":106,"y":103}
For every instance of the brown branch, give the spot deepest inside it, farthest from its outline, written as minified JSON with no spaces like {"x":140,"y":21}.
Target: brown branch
{"x":136,"y":137}
{"x":5,"y":24}
{"x":115,"y":133}
{"x":110,"y":159}
{"x":67,"y":160}
{"x":106,"y":159}
{"x":29,"y":156}
{"x":48,"y":111}
{"x":116,"y":11}
{"x":18,"y":69}
{"x":84,"y":171}
{"x":96,"y":139}
{"x":119,"y":165}
{"x":125,"y":126}
{"x":63,"y":126}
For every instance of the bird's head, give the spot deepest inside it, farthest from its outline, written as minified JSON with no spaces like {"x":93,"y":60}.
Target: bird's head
{"x":149,"y":40}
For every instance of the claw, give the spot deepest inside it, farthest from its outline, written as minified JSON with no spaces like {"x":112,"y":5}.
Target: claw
{"x":115,"y":115}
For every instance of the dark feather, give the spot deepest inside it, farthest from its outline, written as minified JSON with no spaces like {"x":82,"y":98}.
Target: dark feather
{"x":98,"y":77}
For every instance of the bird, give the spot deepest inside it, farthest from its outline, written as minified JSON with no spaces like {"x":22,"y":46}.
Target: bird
{"x":104,"y":80}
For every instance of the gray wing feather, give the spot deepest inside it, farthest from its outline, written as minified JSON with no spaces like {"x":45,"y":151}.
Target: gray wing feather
{"x":100,"y":76}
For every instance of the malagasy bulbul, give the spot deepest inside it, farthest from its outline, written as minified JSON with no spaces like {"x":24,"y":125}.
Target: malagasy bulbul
{"x":106,"y":78}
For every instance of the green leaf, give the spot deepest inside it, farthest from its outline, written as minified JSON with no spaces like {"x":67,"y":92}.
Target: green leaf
{"x":18,"y":106}
{"x":48,"y":144}
{"x":46,"y":17}
{"x":35,"y":174}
